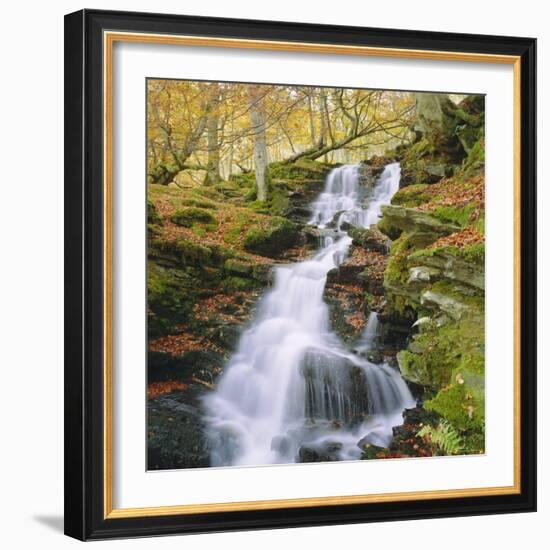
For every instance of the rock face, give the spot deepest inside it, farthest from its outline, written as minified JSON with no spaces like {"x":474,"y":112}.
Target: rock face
{"x":199,"y":364}
{"x":446,"y":135}
{"x":422,"y":228}
{"x":176,"y":432}
{"x":355,"y":288}
{"x":434,"y":280}
{"x":274,"y":239}
{"x":436,"y":287}
{"x":336,"y":388}
{"x":370,"y":239}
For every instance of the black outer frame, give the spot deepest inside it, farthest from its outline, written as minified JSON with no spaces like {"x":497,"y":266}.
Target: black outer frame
{"x":84,"y":517}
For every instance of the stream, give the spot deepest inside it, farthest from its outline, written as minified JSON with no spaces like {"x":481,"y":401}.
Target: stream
{"x":292,"y":391}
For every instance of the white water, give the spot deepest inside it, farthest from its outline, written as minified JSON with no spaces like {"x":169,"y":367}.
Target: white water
{"x":291,"y":383}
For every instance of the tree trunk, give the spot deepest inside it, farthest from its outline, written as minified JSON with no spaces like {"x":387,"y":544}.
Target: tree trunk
{"x":257,"y":122}
{"x":311,"y":118}
{"x":212,"y":123}
{"x":323,"y":130}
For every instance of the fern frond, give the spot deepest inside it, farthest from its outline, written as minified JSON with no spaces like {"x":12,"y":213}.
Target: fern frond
{"x":444,"y":437}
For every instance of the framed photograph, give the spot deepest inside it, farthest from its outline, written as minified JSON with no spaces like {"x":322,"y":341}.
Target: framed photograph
{"x":300,"y":274}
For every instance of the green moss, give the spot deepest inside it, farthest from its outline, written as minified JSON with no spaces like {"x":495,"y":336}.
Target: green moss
{"x":271,"y":239}
{"x":388,"y":229}
{"x":162,"y":173}
{"x":474,"y":442}
{"x":301,"y":169}
{"x":474,"y":253}
{"x":420,"y":149}
{"x":411,"y":196}
{"x":198,"y":202}
{"x":397,"y":268}
{"x":455,"y":291}
{"x":437,"y":351}
{"x":189,"y":216}
{"x":185,"y":251}
{"x":235,"y":228}
{"x":171,"y":295}
{"x":279,"y":202}
{"x":462,"y":402}
{"x":153,"y":217}
{"x":245,"y":180}
{"x":479,"y":224}
{"x":236,"y":284}
{"x":470,"y":119}
{"x":368,"y":302}
{"x":475,"y":160}
{"x":453,"y":214}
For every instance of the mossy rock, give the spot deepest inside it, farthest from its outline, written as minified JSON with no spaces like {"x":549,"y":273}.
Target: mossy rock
{"x":171,"y":295}
{"x":462,"y":402}
{"x":272,"y":239}
{"x":162,"y":173}
{"x":463,"y":265}
{"x":184,"y":251}
{"x":153,"y":216}
{"x":370,"y":239}
{"x":301,"y":169}
{"x":238,"y":267}
{"x":458,"y":215}
{"x":279,"y":202}
{"x":239,"y":284}
{"x":423,"y":228}
{"x":475,"y":161}
{"x":245,"y":180}
{"x":199,"y":202}
{"x":411,"y":196}
{"x":437,"y":351}
{"x":191,"y":215}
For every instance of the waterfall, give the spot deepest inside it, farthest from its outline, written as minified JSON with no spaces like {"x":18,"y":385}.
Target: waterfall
{"x":292,"y":388}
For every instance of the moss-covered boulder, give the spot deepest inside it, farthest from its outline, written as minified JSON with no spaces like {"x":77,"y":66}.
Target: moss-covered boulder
{"x":183,"y":251}
{"x":272,"y":238}
{"x":153,"y":216}
{"x":171,"y":295}
{"x":190,"y":215}
{"x":422,"y":228}
{"x":475,"y":161}
{"x":302,"y":168}
{"x":437,"y":349}
{"x":446,"y":133}
{"x":370,"y":239}
{"x":464,"y":265}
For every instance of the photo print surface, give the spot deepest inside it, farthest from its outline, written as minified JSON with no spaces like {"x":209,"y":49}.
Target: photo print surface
{"x":315,"y":274}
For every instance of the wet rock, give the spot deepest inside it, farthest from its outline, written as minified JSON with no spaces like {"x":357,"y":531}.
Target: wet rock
{"x":312,"y":234}
{"x":336,"y":388}
{"x":226,"y":335}
{"x":176,"y":431}
{"x":323,"y":452}
{"x":201,"y":363}
{"x":405,"y":442}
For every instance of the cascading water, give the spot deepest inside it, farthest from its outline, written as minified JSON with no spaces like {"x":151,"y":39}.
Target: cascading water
{"x":292,"y":388}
